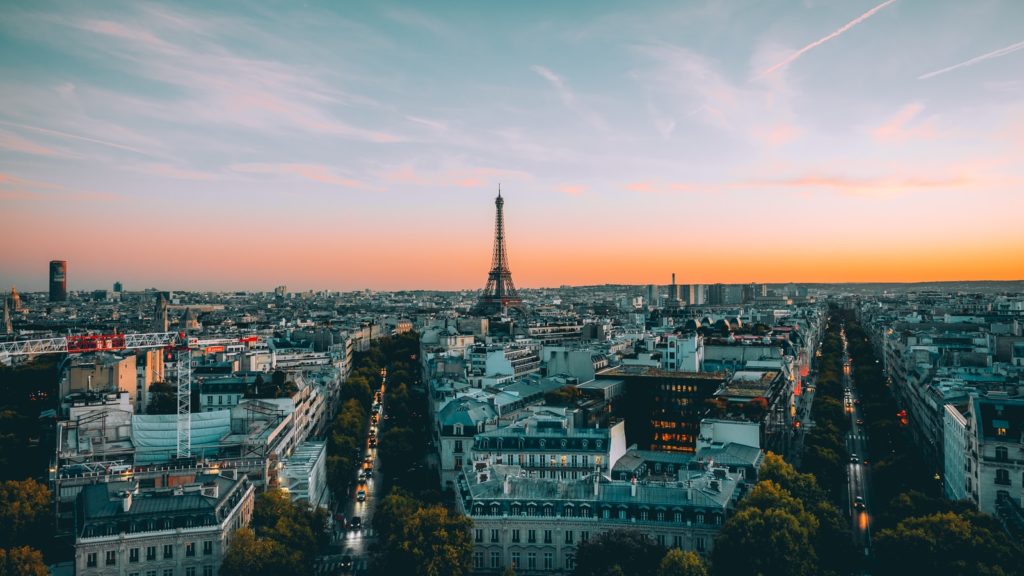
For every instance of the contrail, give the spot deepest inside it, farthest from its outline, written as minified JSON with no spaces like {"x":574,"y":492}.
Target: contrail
{"x":994,"y":54}
{"x":821,"y":41}
{"x":74,"y":136}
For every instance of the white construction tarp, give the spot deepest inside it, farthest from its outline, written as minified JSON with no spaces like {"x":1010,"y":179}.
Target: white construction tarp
{"x":156,"y":436}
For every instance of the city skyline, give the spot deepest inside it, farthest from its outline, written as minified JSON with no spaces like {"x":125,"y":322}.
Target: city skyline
{"x":194,"y":147}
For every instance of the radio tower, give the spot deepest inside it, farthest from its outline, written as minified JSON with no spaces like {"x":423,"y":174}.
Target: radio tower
{"x":500,"y":293}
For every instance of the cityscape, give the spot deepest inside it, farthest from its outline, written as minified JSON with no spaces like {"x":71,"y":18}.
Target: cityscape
{"x":668,"y":289}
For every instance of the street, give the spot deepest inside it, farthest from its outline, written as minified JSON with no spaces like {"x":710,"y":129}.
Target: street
{"x":356,"y":541}
{"x":858,"y":470}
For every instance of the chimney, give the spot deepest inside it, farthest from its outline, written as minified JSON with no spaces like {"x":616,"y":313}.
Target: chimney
{"x":632,"y":488}
{"x":689,"y":491}
{"x":507,"y":486}
{"x":126,"y":501}
{"x":597,"y":483}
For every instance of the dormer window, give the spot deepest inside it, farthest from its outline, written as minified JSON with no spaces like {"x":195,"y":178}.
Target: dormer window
{"x":457,"y":429}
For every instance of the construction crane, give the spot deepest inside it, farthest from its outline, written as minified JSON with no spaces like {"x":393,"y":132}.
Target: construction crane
{"x":177,"y":343}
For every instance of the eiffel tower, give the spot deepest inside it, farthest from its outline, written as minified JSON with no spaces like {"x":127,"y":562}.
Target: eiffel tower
{"x":500,"y":293}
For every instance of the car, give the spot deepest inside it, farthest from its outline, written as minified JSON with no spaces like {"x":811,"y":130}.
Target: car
{"x":368,"y":460}
{"x":860,"y":421}
{"x":373,"y":442}
{"x":859,"y":504}
{"x":854,"y":459}
{"x":857,"y":401}
{"x":355,"y":523}
{"x":346,"y":563}
{"x":361,"y":497}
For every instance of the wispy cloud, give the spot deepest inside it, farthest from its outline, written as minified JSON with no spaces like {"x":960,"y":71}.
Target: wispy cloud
{"x":842,"y":29}
{"x":899,"y":128}
{"x":988,"y":56}
{"x":572,"y":189}
{"x":569,"y":99}
{"x":864,"y":187}
{"x":15,"y":143}
{"x":457,"y":175}
{"x":312,"y":172}
{"x":15,"y":188}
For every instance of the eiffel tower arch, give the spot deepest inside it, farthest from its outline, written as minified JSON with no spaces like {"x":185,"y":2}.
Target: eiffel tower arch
{"x":499,"y":295}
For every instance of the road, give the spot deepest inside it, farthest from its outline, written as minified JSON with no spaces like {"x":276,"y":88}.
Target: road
{"x":858,"y":471}
{"x":357,"y":541}
{"x":805,"y":424}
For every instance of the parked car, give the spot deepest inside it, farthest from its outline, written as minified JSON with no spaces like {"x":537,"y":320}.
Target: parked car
{"x":346,"y":563}
{"x":859,"y":504}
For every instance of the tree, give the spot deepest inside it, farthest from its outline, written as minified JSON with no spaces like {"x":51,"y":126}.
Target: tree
{"x":439,"y":544}
{"x":24,"y":511}
{"x":679,"y":563}
{"x":22,"y":561}
{"x":618,"y":552}
{"x":284,"y":538}
{"x":946,"y":543}
{"x":760,"y":542}
{"x":248,"y":555}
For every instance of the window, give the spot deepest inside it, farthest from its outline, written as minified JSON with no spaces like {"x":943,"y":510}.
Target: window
{"x":660,"y":539}
{"x":495,"y":537}
{"x":700,"y":518}
{"x":190,"y":549}
{"x":531,"y":560}
{"x":698,"y":543}
{"x":495,"y":560}
{"x":209,"y":399}
{"x":531,"y":536}
{"x":622,"y":514}
{"x":479,"y":535}
{"x":677,"y":541}
{"x":207,"y":547}
{"x":1002,"y":453}
{"x":207,"y":570}
{"x":584,"y":536}
{"x":515,"y":535}
{"x":660,"y":516}
{"x":549,"y":560}
{"x":168,"y":551}
{"x":168,"y":571}
{"x":678,"y":517}
{"x":151,"y":573}
{"x":111,"y":557}
{"x":90,"y":560}
{"x":568,"y":536}
{"x":133,"y":555}
{"x":151,"y":553}
{"x":1003,"y":477}
{"x":547,"y":536}
{"x":478,"y":559}
{"x":190,"y":571}
{"x":515,"y":559}
{"x":570,"y":562}
{"x":458,"y":446}
{"x":643,"y":514}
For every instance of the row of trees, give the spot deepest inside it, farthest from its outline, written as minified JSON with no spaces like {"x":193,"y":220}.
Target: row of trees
{"x":25,"y":527}
{"x":786,"y":526}
{"x":825,"y":452}
{"x":917,"y":530}
{"x":624,"y":553}
{"x":283,"y":538}
{"x":420,"y":539}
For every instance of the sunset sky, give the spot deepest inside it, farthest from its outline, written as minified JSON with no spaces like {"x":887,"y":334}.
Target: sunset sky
{"x":325,"y":145}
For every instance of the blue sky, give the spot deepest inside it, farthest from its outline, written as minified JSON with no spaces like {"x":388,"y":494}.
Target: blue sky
{"x":335,"y":145}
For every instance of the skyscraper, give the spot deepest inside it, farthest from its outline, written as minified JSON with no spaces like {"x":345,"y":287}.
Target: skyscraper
{"x":58,"y":280}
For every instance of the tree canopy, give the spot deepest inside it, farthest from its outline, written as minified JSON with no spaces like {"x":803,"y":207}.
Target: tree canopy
{"x":618,"y":552}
